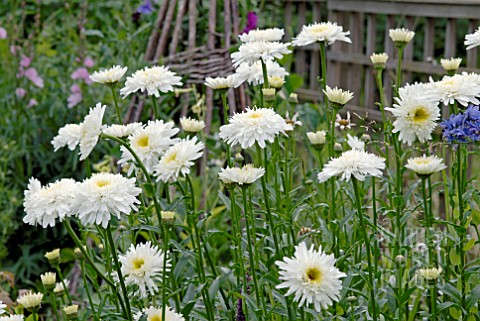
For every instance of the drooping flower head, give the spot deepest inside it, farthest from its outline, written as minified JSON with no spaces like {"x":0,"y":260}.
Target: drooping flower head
{"x":154,"y":314}
{"x":242,"y":176}
{"x":191,"y":125}
{"x":45,"y":204}
{"x":311,"y":276}
{"x":425,"y":166}
{"x":354,"y":162}
{"x":257,"y":125}
{"x":416,"y":114}
{"x":120,"y":131}
{"x":103,"y":195}
{"x":178,"y":159}
{"x":154,"y":80}
{"x":271,"y":34}
{"x":251,"y":52}
{"x":472,"y":40}
{"x":142,"y":266}
{"x":327,"y":32}
{"x":110,"y":76}
{"x":223,"y":83}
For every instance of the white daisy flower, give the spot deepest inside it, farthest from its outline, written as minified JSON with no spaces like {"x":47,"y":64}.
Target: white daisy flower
{"x":59,"y":288}
{"x":317,"y":138}
{"x":401,"y":35}
{"x":120,"y":131}
{"x":191,"y":125}
{"x":149,"y":143}
{"x":91,"y":130}
{"x":456,"y":87}
{"x":178,"y":159}
{"x":312,"y":276}
{"x":355,"y":143}
{"x":430,"y":274}
{"x":379,"y":59}
{"x":254,"y":126}
{"x":327,"y":32}
{"x":253,"y":74}
{"x":416,"y":114}
{"x":2,"y":308}
{"x":109,"y":76}
{"x":241,"y":176}
{"x":223,"y":83}
{"x":44,"y":205}
{"x":425,"y":165}
{"x":353,"y":162}
{"x":271,"y":34}
{"x":69,"y":135}
{"x":472,"y":40}
{"x":31,"y":301}
{"x":13,"y":317}
{"x":142,"y":266}
{"x":154,"y":314}
{"x":104,"y":194}
{"x":338,"y":96}
{"x":251,"y":52}
{"x":48,"y":279}
{"x":451,"y":64}
{"x":154,"y":80}
{"x":471,"y":78}
{"x":344,"y":123}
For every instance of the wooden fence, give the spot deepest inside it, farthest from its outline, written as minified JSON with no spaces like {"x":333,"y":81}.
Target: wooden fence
{"x":440,"y":27}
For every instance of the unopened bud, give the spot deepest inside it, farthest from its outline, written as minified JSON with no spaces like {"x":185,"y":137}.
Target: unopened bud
{"x":53,"y":257}
{"x":71,"y":312}
{"x":168,"y":218}
{"x":268,"y":94}
{"x":293,"y":98}
{"x":337,"y":147}
{"x":48,"y":280}
{"x":366,"y":138}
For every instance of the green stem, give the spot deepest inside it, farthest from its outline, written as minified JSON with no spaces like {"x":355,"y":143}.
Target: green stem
{"x":375,"y":218}
{"x":117,"y":109}
{"x":164,"y":272}
{"x":265,"y":74}
{"x":155,"y":107}
{"x":53,"y":301}
{"x":90,"y":301}
{"x":358,"y":203}
{"x":399,"y":69}
{"x":225,"y":121}
{"x":460,"y":189}
{"x":428,"y":237}
{"x":60,"y":275}
{"x":119,"y":271}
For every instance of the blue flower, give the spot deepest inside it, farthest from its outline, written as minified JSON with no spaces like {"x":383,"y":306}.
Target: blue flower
{"x":145,"y":8}
{"x":462,"y":127}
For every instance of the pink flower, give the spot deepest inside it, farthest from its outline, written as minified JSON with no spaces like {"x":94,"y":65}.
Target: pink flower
{"x":25,"y":61}
{"x":32,"y":103}
{"x":75,"y":96}
{"x":82,"y":73}
{"x":88,"y":62}
{"x":3,"y":33}
{"x":20,"y":92}
{"x":32,"y":75}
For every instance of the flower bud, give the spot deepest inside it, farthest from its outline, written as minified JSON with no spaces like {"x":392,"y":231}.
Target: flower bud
{"x":379,"y":60}
{"x":317,"y":139}
{"x":338,"y":147}
{"x":71,"y":312}
{"x":276,"y":81}
{"x":268,"y":94}
{"x":168,"y":218}
{"x":48,"y":280}
{"x":293,"y":98}
{"x":53,"y":257}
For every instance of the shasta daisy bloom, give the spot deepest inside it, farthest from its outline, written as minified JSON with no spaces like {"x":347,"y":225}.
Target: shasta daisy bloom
{"x":71,"y":311}
{"x":251,"y":52}
{"x":48,"y":280}
{"x":338,"y":97}
{"x":120,"y":131}
{"x":472,"y":40}
{"x":253,"y":74}
{"x":2,"y":308}
{"x":45,"y":204}
{"x":450,"y":64}
{"x":223,"y":83}
{"x":312,"y":276}
{"x":430,"y":274}
{"x":109,"y":76}
{"x":271,"y":34}
{"x":91,"y":130}
{"x":344,"y":123}
{"x":327,"y":32}
{"x":425,"y":165}
{"x":242,"y":176}
{"x":178,"y":159}
{"x":355,"y":143}
{"x":154,"y":314}
{"x":104,"y":194}
{"x":13,"y":317}
{"x":154,"y":80}
{"x":254,"y":126}
{"x":401,"y":35}
{"x":142,"y":266}
{"x":379,"y":60}
{"x":354,"y":162}
{"x":69,"y":135}
{"x":191,"y":125}
{"x":59,"y":288}
{"x":317,"y":138}
{"x":31,"y":301}
{"x":456,"y":87}
{"x":149,"y":143}
{"x":416,"y":115}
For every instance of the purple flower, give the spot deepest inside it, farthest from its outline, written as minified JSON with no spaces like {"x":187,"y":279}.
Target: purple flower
{"x":20,"y":92}
{"x":88,"y":62}
{"x":145,"y":8}
{"x":252,"y":20}
{"x":3,"y":33}
{"x":75,"y":96}
{"x":82,"y":73}
{"x":32,"y":103}
{"x":32,"y":75}
{"x":25,"y":61}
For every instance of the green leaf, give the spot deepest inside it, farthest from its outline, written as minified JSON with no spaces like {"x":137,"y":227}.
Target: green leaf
{"x":473,"y":297}
{"x":476,"y":216}
{"x":454,"y":257}
{"x":455,"y":313}
{"x":293,"y":82}
{"x":468,"y":246}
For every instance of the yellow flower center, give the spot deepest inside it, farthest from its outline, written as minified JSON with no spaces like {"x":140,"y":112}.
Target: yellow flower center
{"x":343,"y":122}
{"x":102,"y":183}
{"x":155,"y":318}
{"x":143,"y":141}
{"x":422,"y":161}
{"x":319,"y":28}
{"x":314,"y":275}
{"x":255,"y":115}
{"x":171,"y":157}
{"x":138,"y":263}
{"x":420,"y":115}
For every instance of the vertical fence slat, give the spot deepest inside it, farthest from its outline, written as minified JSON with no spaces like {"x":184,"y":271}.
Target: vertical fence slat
{"x":389,"y":49}
{"x":472,"y":53}
{"x":356,"y":70}
{"x":334,"y":68}
{"x":315,"y":58}
{"x":370,"y":88}
{"x":409,"y":49}
{"x":429,"y":42}
{"x":450,"y":38}
{"x":300,"y":55}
